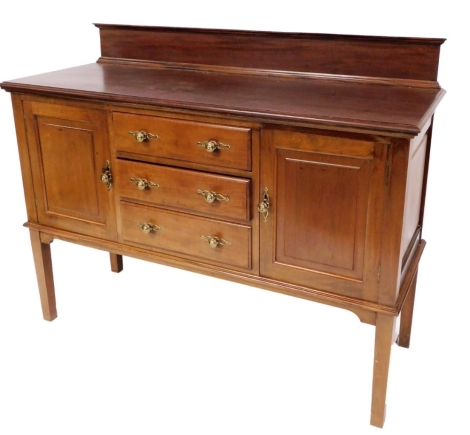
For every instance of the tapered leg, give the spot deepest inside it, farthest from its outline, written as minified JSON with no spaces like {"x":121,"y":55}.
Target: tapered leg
{"x":384,"y":336}
{"x":43,"y":264}
{"x":116,"y":262}
{"x":407,"y":316}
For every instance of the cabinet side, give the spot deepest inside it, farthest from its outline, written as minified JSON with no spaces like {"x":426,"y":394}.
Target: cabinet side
{"x":415,"y":194}
{"x":393,"y":221}
{"x":25,"y":159}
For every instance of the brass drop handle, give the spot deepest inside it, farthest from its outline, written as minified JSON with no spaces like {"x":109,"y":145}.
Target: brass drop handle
{"x":142,"y":183}
{"x":215,"y":241}
{"x":142,"y":135}
{"x":213,"y":145}
{"x":106,"y":176}
{"x":263,"y":206}
{"x":148,"y":228}
{"x":210,"y":196}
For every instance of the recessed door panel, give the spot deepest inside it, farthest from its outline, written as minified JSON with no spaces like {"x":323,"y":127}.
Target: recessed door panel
{"x":69,"y":165}
{"x":322,"y":208}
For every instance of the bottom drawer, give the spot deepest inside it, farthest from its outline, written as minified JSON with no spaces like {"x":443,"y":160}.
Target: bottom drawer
{"x":208,"y":239}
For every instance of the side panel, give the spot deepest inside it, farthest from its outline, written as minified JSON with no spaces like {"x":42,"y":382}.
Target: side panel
{"x":25,"y":159}
{"x":415,"y":194}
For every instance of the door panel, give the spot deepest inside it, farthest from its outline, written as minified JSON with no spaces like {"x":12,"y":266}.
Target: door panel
{"x":320,"y":225}
{"x":322,"y":201}
{"x":74,"y":142}
{"x":71,"y":145}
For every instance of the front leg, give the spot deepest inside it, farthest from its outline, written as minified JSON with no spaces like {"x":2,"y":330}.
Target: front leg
{"x":43,"y":264}
{"x":384,"y":338}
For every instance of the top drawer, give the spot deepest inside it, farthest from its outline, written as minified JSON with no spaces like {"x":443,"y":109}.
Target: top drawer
{"x":183,"y":140}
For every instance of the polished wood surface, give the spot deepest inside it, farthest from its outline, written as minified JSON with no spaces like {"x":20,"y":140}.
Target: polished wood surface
{"x":178,"y":140}
{"x":365,"y":310}
{"x":335,"y":211}
{"x":181,"y":234}
{"x":116,"y":262}
{"x":178,"y":188}
{"x":406,"y":317}
{"x":384,"y":338}
{"x":414,"y":189}
{"x":43,"y":264}
{"x":71,"y":147}
{"x":24,"y":154}
{"x":323,"y":187}
{"x":405,"y":58}
{"x":337,"y":137}
{"x":339,"y":104}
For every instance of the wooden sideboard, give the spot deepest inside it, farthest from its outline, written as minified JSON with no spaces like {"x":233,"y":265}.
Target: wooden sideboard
{"x":295,"y":163}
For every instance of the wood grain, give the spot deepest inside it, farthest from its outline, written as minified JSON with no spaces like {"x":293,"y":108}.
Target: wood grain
{"x":406,"y":317}
{"x":43,"y":265}
{"x":181,"y":234}
{"x":412,"y":58}
{"x":116,"y":262}
{"x":337,"y":128}
{"x":320,"y":198}
{"x":178,"y":188}
{"x":178,"y":140}
{"x":364,"y":309}
{"x":24,"y":154}
{"x":71,"y":147}
{"x":390,"y":109}
{"x":384,"y":338}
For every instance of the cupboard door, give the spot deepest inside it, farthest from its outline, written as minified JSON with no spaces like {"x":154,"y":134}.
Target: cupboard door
{"x":69,"y":148}
{"x":319,"y":232}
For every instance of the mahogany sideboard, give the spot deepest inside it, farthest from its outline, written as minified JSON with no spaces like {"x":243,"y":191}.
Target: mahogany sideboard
{"x":292,"y":162}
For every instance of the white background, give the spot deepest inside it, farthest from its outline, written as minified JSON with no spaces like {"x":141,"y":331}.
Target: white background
{"x":158,"y":350}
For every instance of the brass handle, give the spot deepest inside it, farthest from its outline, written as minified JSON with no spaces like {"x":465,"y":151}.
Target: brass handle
{"x":210,"y":196}
{"x":148,"y":228}
{"x":106,"y":176}
{"x":213,"y":145}
{"x":142,"y":135}
{"x":142,"y":183}
{"x":263,"y":206}
{"x":215,"y":241}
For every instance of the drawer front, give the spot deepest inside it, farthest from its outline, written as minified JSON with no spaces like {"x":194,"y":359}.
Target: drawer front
{"x":182,"y":234}
{"x":184,"y":140}
{"x":222,"y":196}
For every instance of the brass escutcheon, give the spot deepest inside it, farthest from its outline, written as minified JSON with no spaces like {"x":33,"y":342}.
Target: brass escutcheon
{"x":106,"y":176}
{"x":263,"y":206}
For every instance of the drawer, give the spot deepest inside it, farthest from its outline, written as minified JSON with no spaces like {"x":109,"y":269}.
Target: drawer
{"x":223,"y":196}
{"x":182,"y":234}
{"x":183,"y":140}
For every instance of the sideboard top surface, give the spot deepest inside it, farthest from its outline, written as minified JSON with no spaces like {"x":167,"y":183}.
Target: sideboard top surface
{"x":386,"y":108}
